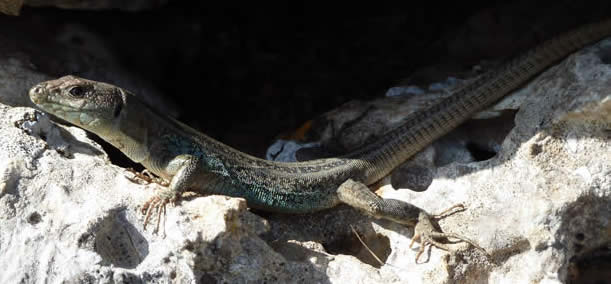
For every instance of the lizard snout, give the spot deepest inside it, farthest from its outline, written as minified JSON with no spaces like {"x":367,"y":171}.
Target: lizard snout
{"x":36,"y":93}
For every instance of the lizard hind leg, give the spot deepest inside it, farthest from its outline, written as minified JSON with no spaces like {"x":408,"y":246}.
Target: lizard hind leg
{"x":358,"y":195}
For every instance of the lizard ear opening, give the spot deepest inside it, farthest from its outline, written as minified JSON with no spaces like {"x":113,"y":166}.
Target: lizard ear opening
{"x":118,"y":109}
{"x":120,"y":104}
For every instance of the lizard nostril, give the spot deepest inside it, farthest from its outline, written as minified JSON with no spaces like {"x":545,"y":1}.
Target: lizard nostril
{"x":38,"y":89}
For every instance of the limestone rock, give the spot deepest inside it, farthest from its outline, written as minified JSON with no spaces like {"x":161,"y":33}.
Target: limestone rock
{"x":539,"y":195}
{"x":539,"y":205}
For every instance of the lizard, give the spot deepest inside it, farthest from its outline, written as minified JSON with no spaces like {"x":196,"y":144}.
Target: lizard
{"x":190,"y":160}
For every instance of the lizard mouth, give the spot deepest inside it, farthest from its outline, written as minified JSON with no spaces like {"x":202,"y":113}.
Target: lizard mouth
{"x":42,"y":96}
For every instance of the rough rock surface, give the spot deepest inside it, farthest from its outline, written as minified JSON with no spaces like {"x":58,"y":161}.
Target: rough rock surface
{"x":539,"y":206}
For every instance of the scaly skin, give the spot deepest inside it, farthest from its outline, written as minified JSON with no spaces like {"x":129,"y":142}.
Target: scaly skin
{"x":191,"y":160}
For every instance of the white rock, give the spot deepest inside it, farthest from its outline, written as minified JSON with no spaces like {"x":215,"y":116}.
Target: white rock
{"x":538,"y":207}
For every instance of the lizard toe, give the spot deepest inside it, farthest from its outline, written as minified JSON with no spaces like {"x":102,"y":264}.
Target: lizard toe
{"x":158,"y":203}
{"x":427,"y":233}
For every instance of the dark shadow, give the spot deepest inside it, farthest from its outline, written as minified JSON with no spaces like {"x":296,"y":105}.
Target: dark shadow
{"x":117,"y":241}
{"x":593,"y":267}
{"x":351,"y":245}
{"x":584,"y":235}
{"x":413,"y":176}
{"x":475,"y":140}
{"x":204,"y":250}
{"x":331,"y":229}
{"x":48,"y":132}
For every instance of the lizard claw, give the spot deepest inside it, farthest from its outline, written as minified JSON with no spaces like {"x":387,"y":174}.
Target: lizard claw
{"x":145,"y":177}
{"x":426,"y":232}
{"x":157,"y":202}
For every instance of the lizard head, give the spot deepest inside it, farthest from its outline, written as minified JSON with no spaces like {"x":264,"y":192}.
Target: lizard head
{"x":89,"y":104}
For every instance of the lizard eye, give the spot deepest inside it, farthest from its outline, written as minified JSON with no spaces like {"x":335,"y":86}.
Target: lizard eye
{"x":77,"y":91}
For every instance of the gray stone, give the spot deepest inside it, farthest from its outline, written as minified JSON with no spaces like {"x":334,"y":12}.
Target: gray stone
{"x":539,"y":206}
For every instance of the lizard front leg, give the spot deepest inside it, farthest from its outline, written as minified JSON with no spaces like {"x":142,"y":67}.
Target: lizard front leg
{"x":185,"y":168}
{"x":358,"y":195}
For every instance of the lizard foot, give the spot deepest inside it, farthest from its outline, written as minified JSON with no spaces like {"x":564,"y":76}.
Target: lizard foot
{"x":427,"y":230}
{"x":158,"y":202}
